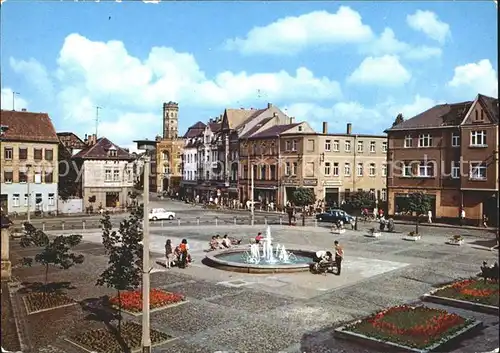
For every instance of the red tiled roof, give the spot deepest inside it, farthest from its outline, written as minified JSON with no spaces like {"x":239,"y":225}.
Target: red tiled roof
{"x":214,"y":127}
{"x":195,"y":130}
{"x":100,"y":151}
{"x":28,"y":126}
{"x":274,"y":131}
{"x":491,"y":106}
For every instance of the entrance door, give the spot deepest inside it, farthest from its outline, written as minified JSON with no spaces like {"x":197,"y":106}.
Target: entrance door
{"x":332,"y":197}
{"x":165,"y":184}
{"x":112,"y":199}
{"x":4,"y":203}
{"x":490,"y":209}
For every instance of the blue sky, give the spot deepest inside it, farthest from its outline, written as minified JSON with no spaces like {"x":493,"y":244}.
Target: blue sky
{"x":359,"y":62}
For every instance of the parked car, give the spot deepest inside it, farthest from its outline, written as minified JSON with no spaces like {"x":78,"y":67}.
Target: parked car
{"x":156,"y":214}
{"x":334,"y":216}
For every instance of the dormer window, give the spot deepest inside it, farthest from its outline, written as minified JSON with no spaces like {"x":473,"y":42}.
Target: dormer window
{"x":112,"y":152}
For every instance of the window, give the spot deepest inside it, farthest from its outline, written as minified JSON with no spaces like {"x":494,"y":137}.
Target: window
{"x":37,"y":154}
{"x":336,"y":145}
{"x":26,"y":198}
{"x":408,"y":141}
{"x":426,"y":169}
{"x":178,"y":154}
{"x":8,"y":153}
{"x":263,"y":172}
{"x":335,"y":169}
{"x":347,"y":146}
{"x":294,"y":145}
{"x":51,"y":200}
{"x":372,"y":169}
{"x":455,"y":170}
{"x":347,"y":169}
{"x":179,"y":168}
{"x":384,"y":169}
{"x":309,"y":169}
{"x":299,"y":128}
{"x":288,"y":145}
{"x":116,"y":175}
{"x":23,"y":177}
{"x":23,"y":154}
{"x":107,"y":175}
{"x":327,"y":168}
{"x":295,"y":167}
{"x":478,"y":171}
{"x":347,"y":194}
{"x":38,"y":177}
{"x":165,"y":155}
{"x":372,"y":147}
{"x":407,"y":169}
{"x":384,"y":146}
{"x":383,"y":194}
{"x":288,"y":169}
{"x":112,"y":153}
{"x":424,"y":140}
{"x":15,"y":200}
{"x":328,"y":145}
{"x":7,"y":177}
{"x":360,"y":146}
{"x":38,"y":199}
{"x":49,"y":155}
{"x":359,"y":169}
{"x":310,"y":146}
{"x":272,"y":170}
{"x":455,"y":139}
{"x":478,"y":138}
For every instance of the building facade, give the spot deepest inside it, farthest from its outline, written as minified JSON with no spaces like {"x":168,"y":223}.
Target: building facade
{"x":192,"y":140}
{"x":449,"y":152}
{"x":169,"y":152}
{"x":106,"y":174}
{"x":29,"y":159}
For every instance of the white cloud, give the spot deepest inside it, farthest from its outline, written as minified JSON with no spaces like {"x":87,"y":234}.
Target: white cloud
{"x":428,"y":23}
{"x":92,"y":73}
{"x":290,"y":35}
{"x":387,"y":43}
{"x":474,"y":78}
{"x":381,"y":71}
{"x":8,"y":96}
{"x":409,"y":110}
{"x":35,"y":73}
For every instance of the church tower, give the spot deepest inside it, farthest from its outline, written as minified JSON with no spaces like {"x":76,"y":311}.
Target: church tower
{"x":170,"y":120}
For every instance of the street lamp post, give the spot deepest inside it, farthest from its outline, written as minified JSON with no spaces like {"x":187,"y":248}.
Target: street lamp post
{"x":146,"y":338}
{"x":14,"y":94}
{"x":28,"y":218}
{"x":252,"y":206}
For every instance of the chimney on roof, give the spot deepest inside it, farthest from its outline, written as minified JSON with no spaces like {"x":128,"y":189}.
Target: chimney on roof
{"x":275,"y":115}
{"x":269,"y":105}
{"x":349,"y":128}
{"x":292,"y":120}
{"x":325,"y":127}
{"x":85,"y":139}
{"x":23,"y":109}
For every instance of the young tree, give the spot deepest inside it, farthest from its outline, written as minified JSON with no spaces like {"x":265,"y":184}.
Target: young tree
{"x":399,"y":119}
{"x":54,"y":252}
{"x":124,"y":250}
{"x":419,"y":203}
{"x":304,"y":197}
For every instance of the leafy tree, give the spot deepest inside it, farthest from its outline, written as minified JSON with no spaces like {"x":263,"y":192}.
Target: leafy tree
{"x":399,"y":119}
{"x":419,"y":203}
{"x":361,"y":199}
{"x":124,"y":250}
{"x":303,"y":197}
{"x":54,"y":252}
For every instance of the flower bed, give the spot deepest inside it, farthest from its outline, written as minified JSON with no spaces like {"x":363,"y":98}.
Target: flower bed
{"x":36,"y":302}
{"x":158,"y":299}
{"x":412,"y":236}
{"x":472,"y":290}
{"x":410,"y":328}
{"x":456,"y":240}
{"x":103,"y":341}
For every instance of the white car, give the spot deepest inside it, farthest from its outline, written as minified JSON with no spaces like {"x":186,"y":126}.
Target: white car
{"x":157,"y":214}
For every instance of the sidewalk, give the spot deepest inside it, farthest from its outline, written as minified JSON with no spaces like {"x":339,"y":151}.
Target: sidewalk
{"x":445,"y":225}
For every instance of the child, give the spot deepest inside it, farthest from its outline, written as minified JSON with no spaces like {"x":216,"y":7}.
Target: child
{"x":168,"y":253}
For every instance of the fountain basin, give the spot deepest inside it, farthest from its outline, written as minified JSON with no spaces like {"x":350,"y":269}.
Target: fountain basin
{"x":233,"y":260}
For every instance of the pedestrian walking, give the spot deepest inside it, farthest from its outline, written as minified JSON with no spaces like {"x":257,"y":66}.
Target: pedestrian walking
{"x":168,"y":253}
{"x":339,"y":256}
{"x":462,"y":216}
{"x":485,"y":221}
{"x":429,"y":216}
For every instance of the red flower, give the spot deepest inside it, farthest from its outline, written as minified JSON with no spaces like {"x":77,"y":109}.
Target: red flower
{"x":132,"y":300}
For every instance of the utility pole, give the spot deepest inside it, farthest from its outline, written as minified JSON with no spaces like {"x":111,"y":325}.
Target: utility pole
{"x":28,"y":166}
{"x":97,"y":120}
{"x":14,"y":94}
{"x":252,"y":207}
{"x":146,"y":338}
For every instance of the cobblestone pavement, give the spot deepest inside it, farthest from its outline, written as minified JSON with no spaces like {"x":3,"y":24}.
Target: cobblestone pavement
{"x":291,"y":313}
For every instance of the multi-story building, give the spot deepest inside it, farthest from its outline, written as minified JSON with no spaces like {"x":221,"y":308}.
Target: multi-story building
{"x":209,"y":158}
{"x":30,"y":170}
{"x":193,"y":138}
{"x":450,"y":152}
{"x":69,"y":145}
{"x":106,"y":172}
{"x":169,"y":151}
{"x":334,"y":165}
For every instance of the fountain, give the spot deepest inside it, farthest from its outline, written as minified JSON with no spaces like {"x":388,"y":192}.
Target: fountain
{"x":264,"y":257}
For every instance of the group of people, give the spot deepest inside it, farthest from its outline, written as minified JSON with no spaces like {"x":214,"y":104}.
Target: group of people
{"x":225,"y":242}
{"x":178,"y":256}
{"x":326,"y":258}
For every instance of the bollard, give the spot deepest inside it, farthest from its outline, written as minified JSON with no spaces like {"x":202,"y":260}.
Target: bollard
{"x":162,"y":223}
{"x":62,"y":225}
{"x":83,"y":224}
{"x":315,"y":222}
{"x":265,"y":221}
{"x":178,"y":221}
{"x":216,"y":221}
{"x":234,"y":220}
{"x":198,"y":221}
{"x":281,"y":221}
{"x":43,"y":226}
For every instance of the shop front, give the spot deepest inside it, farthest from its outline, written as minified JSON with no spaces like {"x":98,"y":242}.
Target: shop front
{"x":289,"y":185}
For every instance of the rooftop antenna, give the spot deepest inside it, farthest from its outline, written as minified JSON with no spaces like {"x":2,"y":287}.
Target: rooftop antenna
{"x":97,"y":120}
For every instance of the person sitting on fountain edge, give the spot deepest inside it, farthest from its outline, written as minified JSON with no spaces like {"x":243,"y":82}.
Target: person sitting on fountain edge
{"x":214,"y":244}
{"x":233,"y":241}
{"x":258,"y":238}
{"x":226,"y":242}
